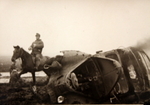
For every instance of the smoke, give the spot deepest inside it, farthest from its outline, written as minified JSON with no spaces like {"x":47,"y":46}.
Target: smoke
{"x":143,"y":44}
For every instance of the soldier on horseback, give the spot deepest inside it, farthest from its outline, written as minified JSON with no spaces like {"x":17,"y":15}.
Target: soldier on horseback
{"x":36,"y":48}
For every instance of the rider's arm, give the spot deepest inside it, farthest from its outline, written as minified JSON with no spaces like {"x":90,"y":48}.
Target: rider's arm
{"x":31,"y":47}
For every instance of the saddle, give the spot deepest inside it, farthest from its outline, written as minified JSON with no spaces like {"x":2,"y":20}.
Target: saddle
{"x":34,"y":58}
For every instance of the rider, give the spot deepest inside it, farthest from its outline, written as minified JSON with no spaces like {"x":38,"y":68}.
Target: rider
{"x":36,"y":48}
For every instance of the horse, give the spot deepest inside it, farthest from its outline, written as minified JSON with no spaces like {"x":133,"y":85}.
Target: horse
{"x":28,"y":63}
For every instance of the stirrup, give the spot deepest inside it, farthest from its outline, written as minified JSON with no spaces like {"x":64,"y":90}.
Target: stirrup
{"x":46,"y":66}
{"x":34,"y":89}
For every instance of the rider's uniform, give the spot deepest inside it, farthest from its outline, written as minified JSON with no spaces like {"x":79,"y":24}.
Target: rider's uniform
{"x":37,"y":47}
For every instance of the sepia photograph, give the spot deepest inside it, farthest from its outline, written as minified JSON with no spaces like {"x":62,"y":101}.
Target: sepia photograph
{"x":74,"y":52}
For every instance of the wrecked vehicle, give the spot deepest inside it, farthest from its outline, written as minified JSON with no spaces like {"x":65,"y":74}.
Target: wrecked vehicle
{"x":134,"y":82}
{"x":83,"y":78}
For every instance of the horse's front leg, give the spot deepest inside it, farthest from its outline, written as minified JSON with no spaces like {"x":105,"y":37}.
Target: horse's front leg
{"x":22,"y":72}
{"x":33,"y":77}
{"x":34,"y":82}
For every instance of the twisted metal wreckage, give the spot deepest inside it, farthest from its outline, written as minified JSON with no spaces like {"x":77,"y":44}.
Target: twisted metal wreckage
{"x":116,"y":76}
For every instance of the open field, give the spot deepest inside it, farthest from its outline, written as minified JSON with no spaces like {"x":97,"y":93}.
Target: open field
{"x":5,"y":76}
{"x":5,"y":62}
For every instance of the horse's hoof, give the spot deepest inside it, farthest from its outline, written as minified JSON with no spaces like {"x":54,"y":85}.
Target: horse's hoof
{"x":34,"y":89}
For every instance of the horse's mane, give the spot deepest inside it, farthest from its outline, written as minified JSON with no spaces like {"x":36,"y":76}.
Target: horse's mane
{"x":26,"y":53}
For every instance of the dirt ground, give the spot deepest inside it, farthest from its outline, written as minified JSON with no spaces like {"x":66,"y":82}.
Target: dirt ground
{"x":22,"y":95}
{"x":25,"y":96}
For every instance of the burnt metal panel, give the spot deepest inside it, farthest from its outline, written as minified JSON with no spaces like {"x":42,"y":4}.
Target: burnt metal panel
{"x":110,"y":71}
{"x":122,"y":85}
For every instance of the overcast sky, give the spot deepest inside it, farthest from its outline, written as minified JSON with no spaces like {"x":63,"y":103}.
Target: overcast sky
{"x":84,"y":25}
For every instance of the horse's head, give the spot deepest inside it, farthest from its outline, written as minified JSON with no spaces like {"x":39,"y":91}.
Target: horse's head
{"x":17,"y":53}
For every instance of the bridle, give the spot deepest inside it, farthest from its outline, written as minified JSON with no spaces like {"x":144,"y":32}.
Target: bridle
{"x":20,"y":53}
